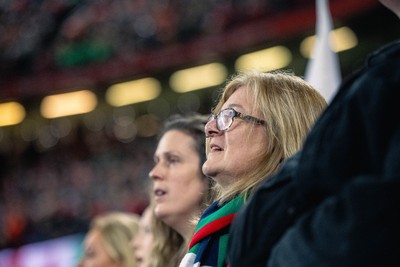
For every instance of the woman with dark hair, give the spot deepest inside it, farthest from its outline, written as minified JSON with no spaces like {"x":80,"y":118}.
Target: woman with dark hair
{"x":181,"y":191}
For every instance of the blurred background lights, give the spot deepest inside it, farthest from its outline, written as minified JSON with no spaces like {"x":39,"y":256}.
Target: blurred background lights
{"x":159,"y":107}
{"x":45,"y":138}
{"x":67,"y":104}
{"x":95,"y":120}
{"x":60,"y":127}
{"x":29,"y":130}
{"x":199,"y":77}
{"x":188,"y":103}
{"x":342,"y":39}
{"x":148,"y":125}
{"x":125,"y":129}
{"x":131,"y":92}
{"x":124,"y":113}
{"x":266,"y":60}
{"x":11,"y":113}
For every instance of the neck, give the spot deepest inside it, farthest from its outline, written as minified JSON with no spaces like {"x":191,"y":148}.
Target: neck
{"x":185,"y":225}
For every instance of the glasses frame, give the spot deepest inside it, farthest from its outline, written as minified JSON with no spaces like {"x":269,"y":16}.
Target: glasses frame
{"x":236,"y":114}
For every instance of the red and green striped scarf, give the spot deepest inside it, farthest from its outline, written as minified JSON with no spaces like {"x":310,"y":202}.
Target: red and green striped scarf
{"x":209,"y":242}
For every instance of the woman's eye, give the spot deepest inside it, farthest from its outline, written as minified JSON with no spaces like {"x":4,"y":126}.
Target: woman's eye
{"x":172,"y":160}
{"x":156,"y":160}
{"x":89,"y":254}
{"x":147,"y":230}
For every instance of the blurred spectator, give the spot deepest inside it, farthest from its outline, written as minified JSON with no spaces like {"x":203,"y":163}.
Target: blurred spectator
{"x":54,"y":193}
{"x":65,"y":33}
{"x":143,"y":241}
{"x":107,"y":242}
{"x":45,"y":194}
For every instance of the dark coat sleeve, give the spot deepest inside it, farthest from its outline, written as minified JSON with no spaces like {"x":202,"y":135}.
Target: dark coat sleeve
{"x":358,"y":227}
{"x":356,"y":222}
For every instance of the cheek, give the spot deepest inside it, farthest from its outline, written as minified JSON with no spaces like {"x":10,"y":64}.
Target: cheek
{"x":236,"y":141}
{"x":194,"y":189}
{"x":187,"y":178}
{"x":158,"y":211}
{"x":245,"y":150}
{"x":148,"y":243}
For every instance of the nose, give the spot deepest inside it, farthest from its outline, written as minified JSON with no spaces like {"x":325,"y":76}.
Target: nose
{"x":211,"y":128}
{"x":134,"y":243}
{"x":155,"y":173}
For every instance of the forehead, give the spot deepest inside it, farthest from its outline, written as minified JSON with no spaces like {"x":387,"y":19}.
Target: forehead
{"x":175,"y":140}
{"x":93,"y":237}
{"x":146,"y":217}
{"x":240,"y":98}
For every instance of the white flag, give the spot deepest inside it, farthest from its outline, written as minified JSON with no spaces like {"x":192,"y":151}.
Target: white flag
{"x":323,"y":70}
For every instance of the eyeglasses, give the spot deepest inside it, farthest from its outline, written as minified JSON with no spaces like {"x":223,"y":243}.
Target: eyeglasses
{"x":225,"y":118}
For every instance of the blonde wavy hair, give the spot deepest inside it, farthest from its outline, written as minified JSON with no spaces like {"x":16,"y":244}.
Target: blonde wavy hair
{"x":117,"y":230}
{"x":289,"y":105}
{"x":169,"y":247}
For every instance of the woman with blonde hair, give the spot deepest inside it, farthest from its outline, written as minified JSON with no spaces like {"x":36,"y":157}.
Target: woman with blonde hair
{"x":261,"y":119}
{"x":157,"y":244}
{"x":107,"y":242}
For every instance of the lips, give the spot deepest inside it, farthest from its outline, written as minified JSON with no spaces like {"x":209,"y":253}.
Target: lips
{"x":214,"y":147}
{"x":159,"y":193}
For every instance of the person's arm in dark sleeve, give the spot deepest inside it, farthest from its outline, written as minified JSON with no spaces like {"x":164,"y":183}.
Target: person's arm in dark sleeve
{"x":358,"y":227}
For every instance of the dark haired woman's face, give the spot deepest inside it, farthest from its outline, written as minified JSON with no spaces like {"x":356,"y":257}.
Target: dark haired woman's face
{"x":178,"y":185}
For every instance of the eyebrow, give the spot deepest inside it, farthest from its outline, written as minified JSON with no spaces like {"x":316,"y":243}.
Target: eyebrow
{"x":166,"y":154}
{"x":233,"y":105}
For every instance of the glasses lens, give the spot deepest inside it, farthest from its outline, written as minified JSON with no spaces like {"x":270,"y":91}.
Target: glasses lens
{"x":224,"y":119}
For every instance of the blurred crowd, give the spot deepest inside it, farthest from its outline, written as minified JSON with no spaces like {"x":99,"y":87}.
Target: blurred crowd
{"x":55,"y":191}
{"x":45,"y":194}
{"x":37,"y":35}
{"x":48,"y":194}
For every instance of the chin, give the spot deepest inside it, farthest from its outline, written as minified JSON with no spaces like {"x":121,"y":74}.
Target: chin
{"x":206,"y":169}
{"x":158,"y":212}
{"x":210,"y":172}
